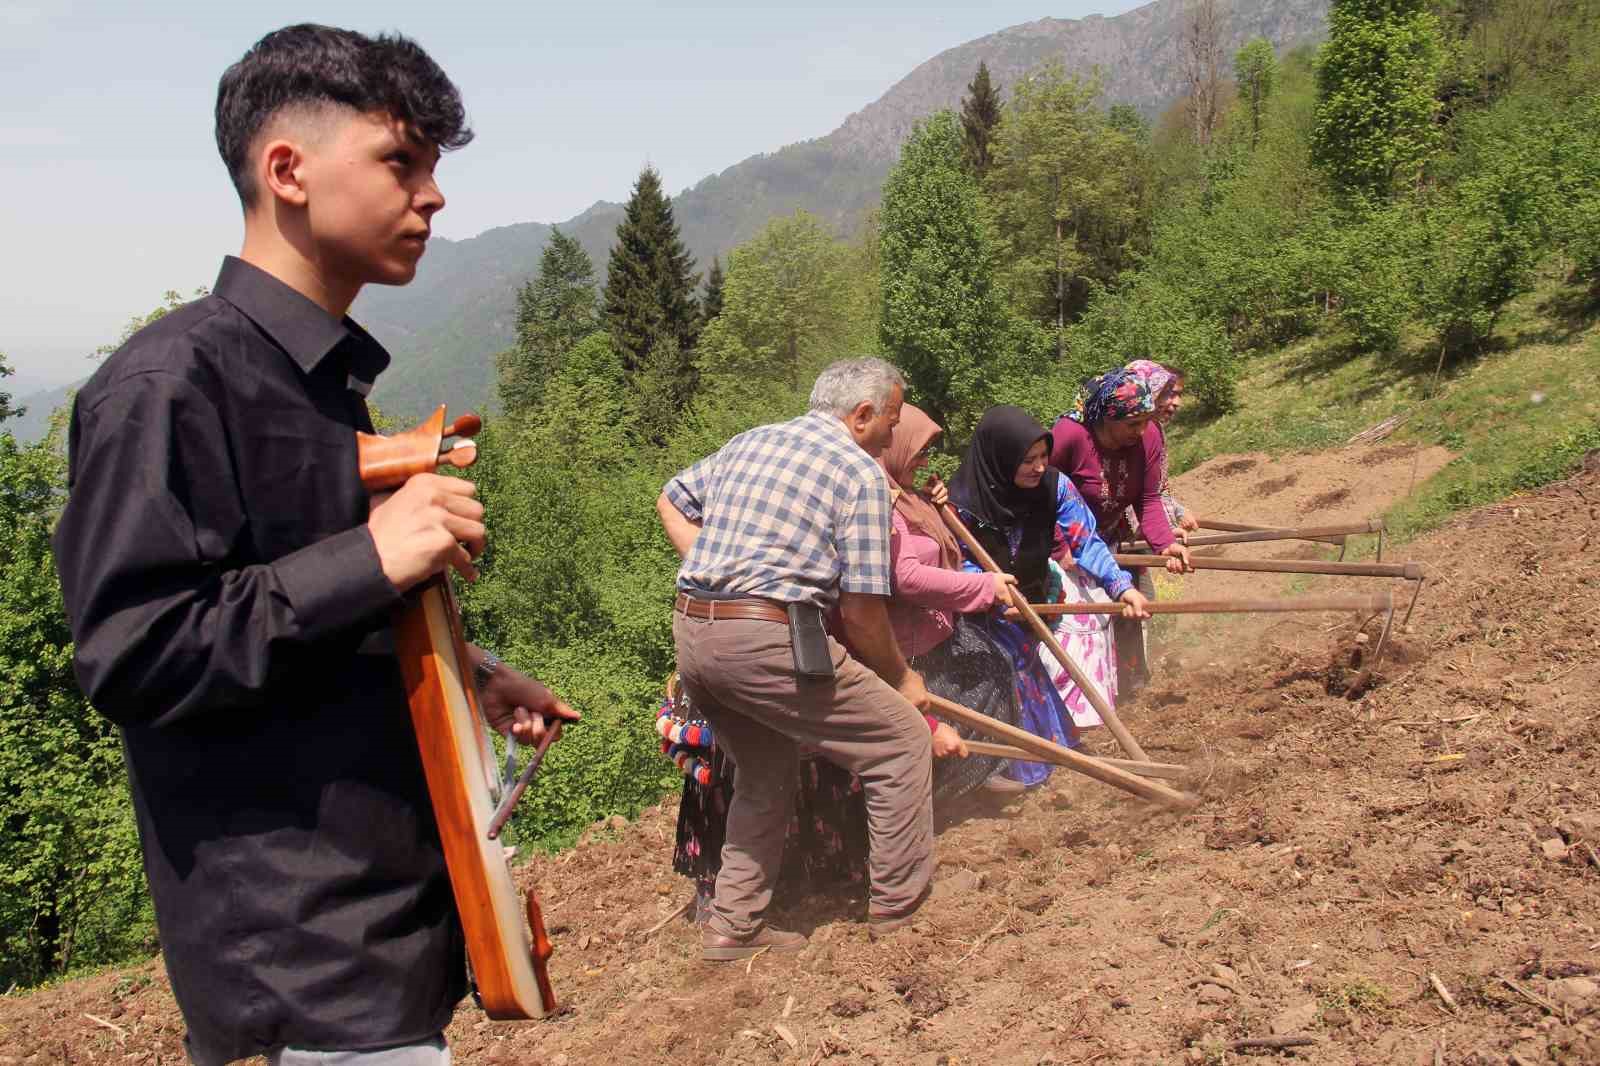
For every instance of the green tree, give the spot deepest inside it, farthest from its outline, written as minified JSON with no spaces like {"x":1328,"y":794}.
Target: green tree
{"x":1125,"y":118}
{"x":943,"y":319}
{"x":790,"y":308}
{"x":1377,"y":106}
{"x":980,"y":117}
{"x":72,"y":888}
{"x":711,"y":302}
{"x":555,"y":310}
{"x":1069,"y":193}
{"x":650,"y":307}
{"x":1255,"y":68}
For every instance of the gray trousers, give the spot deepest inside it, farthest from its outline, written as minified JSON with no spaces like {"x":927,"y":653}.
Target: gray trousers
{"x":739,"y":673}
{"x":431,"y":1052}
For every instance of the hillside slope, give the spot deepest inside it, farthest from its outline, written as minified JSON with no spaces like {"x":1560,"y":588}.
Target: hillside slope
{"x":447,"y":325}
{"x":1335,"y":862}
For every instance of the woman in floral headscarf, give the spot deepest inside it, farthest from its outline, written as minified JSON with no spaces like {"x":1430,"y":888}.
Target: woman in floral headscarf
{"x":1115,"y":456}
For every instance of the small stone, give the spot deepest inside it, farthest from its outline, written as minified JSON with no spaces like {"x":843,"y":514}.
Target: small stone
{"x":961,"y":883}
{"x":1027,"y":843}
{"x":1573,"y":991}
{"x":1554,"y":849}
{"x":1229,"y":976}
{"x":1585,"y":825}
{"x":617,"y":821}
{"x":1061,"y":800}
{"x":848,"y":1007}
{"x":1297,"y":1019}
{"x":1334,"y":1016}
{"x":1210,"y":993}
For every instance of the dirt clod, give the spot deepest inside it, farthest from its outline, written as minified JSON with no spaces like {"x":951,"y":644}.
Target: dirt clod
{"x":848,"y":1007}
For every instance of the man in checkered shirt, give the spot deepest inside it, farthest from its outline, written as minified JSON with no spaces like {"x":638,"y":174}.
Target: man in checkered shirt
{"x":798,"y":512}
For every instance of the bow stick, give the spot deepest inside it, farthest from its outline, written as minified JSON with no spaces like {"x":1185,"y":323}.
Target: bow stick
{"x":1090,"y":690}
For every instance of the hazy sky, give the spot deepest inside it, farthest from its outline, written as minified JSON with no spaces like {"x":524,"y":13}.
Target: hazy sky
{"x":111,"y":191}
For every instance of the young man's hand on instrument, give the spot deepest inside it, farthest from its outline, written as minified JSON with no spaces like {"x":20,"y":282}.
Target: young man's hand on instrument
{"x":430,"y":523}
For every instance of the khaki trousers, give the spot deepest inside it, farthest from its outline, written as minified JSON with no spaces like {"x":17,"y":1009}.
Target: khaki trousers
{"x":739,"y":673}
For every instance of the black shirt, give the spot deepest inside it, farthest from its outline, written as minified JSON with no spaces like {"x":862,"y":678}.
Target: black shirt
{"x":231,"y":616}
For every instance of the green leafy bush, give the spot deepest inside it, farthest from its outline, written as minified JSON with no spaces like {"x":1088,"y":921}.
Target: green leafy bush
{"x":72,"y":887}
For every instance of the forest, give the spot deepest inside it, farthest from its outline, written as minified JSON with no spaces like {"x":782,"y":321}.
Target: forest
{"x":1389,"y":193}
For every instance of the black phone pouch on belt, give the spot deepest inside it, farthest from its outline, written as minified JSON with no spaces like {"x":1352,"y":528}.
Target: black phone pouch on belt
{"x":812,"y":657}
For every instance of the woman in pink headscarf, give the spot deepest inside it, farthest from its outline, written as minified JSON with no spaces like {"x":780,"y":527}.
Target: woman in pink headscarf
{"x":1166,"y":384}
{"x":932,"y":594}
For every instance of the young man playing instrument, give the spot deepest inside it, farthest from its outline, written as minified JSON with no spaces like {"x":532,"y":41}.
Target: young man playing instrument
{"x":229,"y":582}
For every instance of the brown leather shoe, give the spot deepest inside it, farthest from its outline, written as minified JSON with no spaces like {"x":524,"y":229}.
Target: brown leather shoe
{"x":879,"y":925}
{"x":1001,"y":785}
{"x":714,"y":947}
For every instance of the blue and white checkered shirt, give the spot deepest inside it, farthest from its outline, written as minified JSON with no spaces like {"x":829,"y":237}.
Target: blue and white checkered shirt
{"x":793,"y":512}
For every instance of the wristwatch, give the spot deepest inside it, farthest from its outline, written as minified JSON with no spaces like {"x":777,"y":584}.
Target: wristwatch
{"x":485,"y":668}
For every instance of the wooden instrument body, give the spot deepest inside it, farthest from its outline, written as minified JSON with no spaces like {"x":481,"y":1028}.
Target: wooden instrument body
{"x":506,"y":942}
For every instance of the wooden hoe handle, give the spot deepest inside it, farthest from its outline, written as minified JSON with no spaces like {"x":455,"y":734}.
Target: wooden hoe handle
{"x":1040,"y":750}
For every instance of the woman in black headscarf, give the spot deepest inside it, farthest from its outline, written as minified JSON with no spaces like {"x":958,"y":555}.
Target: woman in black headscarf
{"x":1014,"y":504}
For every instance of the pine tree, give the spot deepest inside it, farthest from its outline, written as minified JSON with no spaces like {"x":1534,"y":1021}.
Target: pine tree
{"x":980,"y":114}
{"x":711,"y":302}
{"x":649,"y":299}
{"x":555,"y":311}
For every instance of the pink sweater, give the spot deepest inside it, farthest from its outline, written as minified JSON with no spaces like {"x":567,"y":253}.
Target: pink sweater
{"x":927,"y":597}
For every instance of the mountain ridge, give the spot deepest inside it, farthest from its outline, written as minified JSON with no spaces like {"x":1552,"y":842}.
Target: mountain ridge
{"x":445,"y":328}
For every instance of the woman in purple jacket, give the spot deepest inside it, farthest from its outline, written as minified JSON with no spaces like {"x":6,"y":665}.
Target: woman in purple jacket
{"x":1115,"y":456}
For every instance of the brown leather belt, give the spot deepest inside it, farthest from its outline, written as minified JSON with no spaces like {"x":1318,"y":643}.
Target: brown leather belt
{"x":711,"y":610}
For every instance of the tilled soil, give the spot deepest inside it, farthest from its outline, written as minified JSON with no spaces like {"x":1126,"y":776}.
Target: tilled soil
{"x":1349,"y":859}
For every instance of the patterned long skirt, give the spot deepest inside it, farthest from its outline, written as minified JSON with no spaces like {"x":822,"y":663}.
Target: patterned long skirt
{"x":1042,"y":712}
{"x":1088,"y":639}
{"x":827,"y":838}
{"x":970,"y":669}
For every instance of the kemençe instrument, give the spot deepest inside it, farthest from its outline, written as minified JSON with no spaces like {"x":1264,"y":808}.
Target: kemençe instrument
{"x":507,"y":946}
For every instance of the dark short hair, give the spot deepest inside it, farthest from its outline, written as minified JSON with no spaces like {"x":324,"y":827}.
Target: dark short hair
{"x":320,"y":65}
